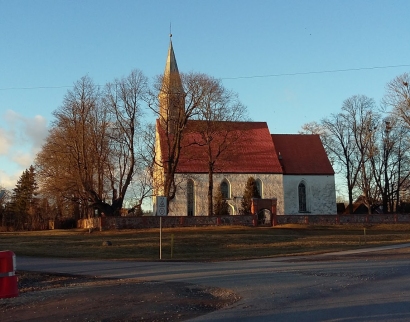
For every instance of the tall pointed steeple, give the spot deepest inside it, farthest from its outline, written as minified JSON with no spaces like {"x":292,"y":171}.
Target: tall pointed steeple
{"x":171,"y":96}
{"x":171,"y":65}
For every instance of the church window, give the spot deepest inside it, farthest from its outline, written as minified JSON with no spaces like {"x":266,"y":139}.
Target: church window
{"x":225,"y":189}
{"x":302,"y":197}
{"x":190,"y":198}
{"x":258,"y":183}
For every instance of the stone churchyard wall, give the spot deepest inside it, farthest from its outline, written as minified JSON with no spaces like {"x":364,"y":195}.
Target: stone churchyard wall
{"x":108,"y":223}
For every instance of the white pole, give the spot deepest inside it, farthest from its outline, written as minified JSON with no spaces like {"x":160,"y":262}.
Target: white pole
{"x":160,"y":237}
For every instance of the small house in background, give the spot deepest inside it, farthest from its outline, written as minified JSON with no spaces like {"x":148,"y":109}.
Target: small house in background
{"x":360,"y":208}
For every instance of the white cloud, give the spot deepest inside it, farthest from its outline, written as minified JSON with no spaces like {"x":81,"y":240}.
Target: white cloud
{"x":32,"y":129}
{"x":5,"y":141}
{"x":36,"y":131}
{"x":8,"y":181}
{"x":21,"y":138}
{"x":23,"y":159}
{"x":26,"y":130}
{"x":10,"y":116}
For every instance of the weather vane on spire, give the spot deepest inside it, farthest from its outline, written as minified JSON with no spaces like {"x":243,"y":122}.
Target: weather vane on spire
{"x":170,"y":30}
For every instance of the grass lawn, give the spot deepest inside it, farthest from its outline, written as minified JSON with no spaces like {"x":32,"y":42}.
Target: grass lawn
{"x":202,"y":244}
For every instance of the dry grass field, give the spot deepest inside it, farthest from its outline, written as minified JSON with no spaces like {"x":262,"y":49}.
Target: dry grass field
{"x":202,"y":244}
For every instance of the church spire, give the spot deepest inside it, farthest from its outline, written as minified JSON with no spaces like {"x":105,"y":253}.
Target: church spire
{"x":171,"y":96}
{"x":171,"y":65}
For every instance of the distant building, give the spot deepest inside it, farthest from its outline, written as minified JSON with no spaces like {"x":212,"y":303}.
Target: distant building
{"x":293,"y":168}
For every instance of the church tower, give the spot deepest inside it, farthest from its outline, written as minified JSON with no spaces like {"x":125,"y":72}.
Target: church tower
{"x":171,"y":99}
{"x":171,"y":96}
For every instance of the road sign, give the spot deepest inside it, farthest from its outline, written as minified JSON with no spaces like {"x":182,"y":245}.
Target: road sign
{"x":161,"y":206}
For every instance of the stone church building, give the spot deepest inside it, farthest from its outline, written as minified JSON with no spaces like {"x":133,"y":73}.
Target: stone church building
{"x":292,"y":168}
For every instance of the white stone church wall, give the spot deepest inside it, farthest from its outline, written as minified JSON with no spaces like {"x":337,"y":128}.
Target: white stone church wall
{"x":320,"y":194}
{"x":272,"y":187}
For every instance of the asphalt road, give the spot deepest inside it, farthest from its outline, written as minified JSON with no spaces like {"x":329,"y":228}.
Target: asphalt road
{"x":364,"y":285}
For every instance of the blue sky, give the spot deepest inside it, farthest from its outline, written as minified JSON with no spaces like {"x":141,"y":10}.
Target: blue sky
{"x":281,"y":57}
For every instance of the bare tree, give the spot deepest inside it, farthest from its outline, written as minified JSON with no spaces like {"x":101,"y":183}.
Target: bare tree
{"x":400,"y":162}
{"x":179,"y":97}
{"x":347,"y":138}
{"x":397,"y":97}
{"x":313,"y":128}
{"x":372,"y":153}
{"x":77,"y":149}
{"x":123,"y":100}
{"x":369,"y":151}
{"x":217,"y":111}
{"x":142,"y":182}
{"x":92,"y":145}
{"x":363,"y":121}
{"x":340,"y":144}
{"x":55,"y":169}
{"x":199,"y":97}
{"x":390,"y":162}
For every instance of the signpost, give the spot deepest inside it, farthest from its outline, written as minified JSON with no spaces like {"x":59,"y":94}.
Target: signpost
{"x":161,"y":210}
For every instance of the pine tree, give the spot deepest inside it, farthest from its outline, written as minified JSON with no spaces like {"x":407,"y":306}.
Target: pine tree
{"x":221,"y":207}
{"x":251,"y":191}
{"x":23,"y":200}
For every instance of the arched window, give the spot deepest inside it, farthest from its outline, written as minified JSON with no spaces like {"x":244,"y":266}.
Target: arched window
{"x":258,"y":183}
{"x":190,"y":197}
{"x":302,"y":197}
{"x":226,"y":193}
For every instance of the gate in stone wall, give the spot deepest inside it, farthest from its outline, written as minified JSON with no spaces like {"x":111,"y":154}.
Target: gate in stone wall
{"x":265,"y":210}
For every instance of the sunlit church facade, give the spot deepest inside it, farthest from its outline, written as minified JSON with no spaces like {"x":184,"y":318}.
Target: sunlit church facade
{"x":292,"y":168}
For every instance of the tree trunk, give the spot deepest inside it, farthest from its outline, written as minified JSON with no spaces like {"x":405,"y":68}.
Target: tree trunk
{"x":350,"y":201}
{"x":210,"y":189}
{"x":385,"y":195}
{"x":398,"y":183}
{"x":350,"y":191}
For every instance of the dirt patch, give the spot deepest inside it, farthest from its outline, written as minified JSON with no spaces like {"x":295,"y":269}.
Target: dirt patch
{"x":57,"y":297}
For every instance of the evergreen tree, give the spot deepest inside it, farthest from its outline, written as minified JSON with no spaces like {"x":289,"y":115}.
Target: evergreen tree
{"x":23,"y":200}
{"x":221,"y":207}
{"x":251,"y":191}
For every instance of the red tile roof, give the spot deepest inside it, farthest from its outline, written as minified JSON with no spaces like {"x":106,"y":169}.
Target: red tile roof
{"x":248,"y":148}
{"x":302,"y":154}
